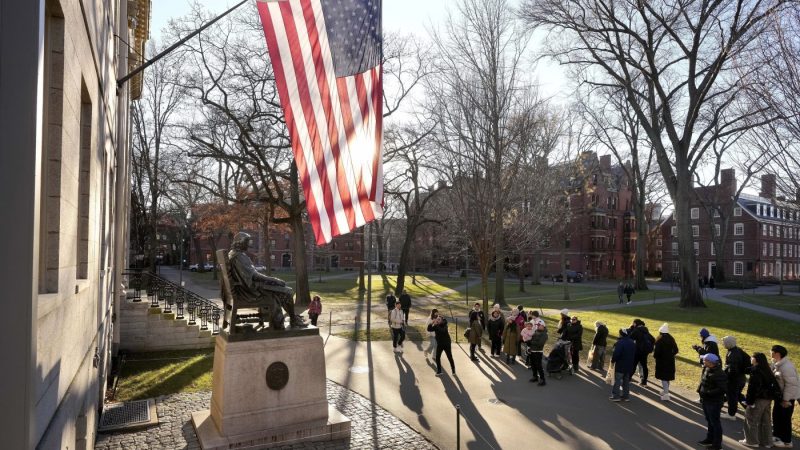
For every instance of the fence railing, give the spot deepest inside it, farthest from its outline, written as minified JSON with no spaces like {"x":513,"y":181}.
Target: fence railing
{"x":171,"y":297}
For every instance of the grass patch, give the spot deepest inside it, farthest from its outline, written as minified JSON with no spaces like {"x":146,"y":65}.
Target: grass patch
{"x":789,"y":303}
{"x":345,"y":289}
{"x":147,"y":375}
{"x":753,"y":331}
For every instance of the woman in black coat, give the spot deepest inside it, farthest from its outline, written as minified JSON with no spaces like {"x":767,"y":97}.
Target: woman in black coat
{"x":664,"y":353}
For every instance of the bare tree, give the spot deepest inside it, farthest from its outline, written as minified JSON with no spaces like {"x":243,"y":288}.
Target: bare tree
{"x":680,"y":66}
{"x":152,"y":117}
{"x":482,"y":106}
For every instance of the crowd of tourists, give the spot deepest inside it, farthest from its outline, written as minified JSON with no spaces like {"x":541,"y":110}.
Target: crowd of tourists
{"x":765,"y":391}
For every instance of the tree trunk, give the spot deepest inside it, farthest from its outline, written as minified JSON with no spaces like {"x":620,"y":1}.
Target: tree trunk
{"x":564,"y":272}
{"x":719,"y":271}
{"x":402,"y":268}
{"x":521,"y":273}
{"x":362,"y":287}
{"x":640,"y":282}
{"x":536,"y":269}
{"x":499,"y":266}
{"x":379,"y":241}
{"x":302,"y":291}
{"x":690,"y":291}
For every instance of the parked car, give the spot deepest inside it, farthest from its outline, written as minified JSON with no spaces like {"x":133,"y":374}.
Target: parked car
{"x":206,"y":266}
{"x":572,"y":276}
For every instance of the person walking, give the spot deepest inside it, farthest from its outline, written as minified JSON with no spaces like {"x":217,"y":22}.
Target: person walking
{"x":622,"y":359}
{"x":760,"y":392}
{"x":405,"y":304}
{"x":645,"y":342}
{"x":709,"y":342}
{"x":390,"y":301}
{"x":397,"y":324}
{"x":786,"y":374}
{"x":439,"y":327}
{"x":620,"y":291}
{"x":737,"y":362}
{"x":431,"y":350}
{"x":712,"y":388}
{"x":536,"y":349}
{"x":599,"y":346}
{"x":664,"y":352}
{"x":314,"y":309}
{"x":629,"y":291}
{"x":475,"y":332}
{"x":495,"y":329}
{"x":510,"y":340}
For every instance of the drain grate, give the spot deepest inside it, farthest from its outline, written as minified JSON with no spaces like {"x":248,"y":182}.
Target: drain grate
{"x":117,"y":416}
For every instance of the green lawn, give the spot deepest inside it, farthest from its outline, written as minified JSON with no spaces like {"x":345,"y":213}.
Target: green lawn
{"x":789,"y":303}
{"x":146,"y":375}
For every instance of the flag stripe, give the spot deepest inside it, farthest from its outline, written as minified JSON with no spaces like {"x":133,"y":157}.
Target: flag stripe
{"x":314,"y":145}
{"x":324,"y":72}
{"x":267,"y":12}
{"x":334,"y":122}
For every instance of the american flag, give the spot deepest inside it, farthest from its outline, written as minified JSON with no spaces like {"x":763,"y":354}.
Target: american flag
{"x":326,"y":55}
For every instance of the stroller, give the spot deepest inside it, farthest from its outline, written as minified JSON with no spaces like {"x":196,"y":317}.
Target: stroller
{"x":559,"y":359}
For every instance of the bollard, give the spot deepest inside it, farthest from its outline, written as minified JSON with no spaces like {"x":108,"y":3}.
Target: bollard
{"x":456,"y":322}
{"x":330,"y":322}
{"x":458,"y":427}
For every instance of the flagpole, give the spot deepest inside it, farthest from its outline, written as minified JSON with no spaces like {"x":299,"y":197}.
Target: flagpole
{"x":172,"y":47}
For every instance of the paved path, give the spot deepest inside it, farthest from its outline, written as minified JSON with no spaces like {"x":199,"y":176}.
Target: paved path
{"x":501,"y":409}
{"x":371,"y":427}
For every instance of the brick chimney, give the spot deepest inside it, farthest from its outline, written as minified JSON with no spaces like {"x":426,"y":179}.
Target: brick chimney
{"x":767,"y":186}
{"x":728,"y":180}
{"x":605,"y":162}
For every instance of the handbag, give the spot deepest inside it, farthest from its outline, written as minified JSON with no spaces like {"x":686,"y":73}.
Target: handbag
{"x":590,"y":358}
{"x":466,"y":333}
{"x":610,"y":375}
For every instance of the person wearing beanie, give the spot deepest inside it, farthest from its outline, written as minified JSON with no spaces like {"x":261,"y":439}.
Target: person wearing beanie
{"x":712,"y":388}
{"x":664,"y":353}
{"x":786,"y":374}
{"x":709,"y":342}
{"x":510,"y":340}
{"x":622,"y":359}
{"x":599,"y":344}
{"x":477,"y":313}
{"x":737,"y":363}
{"x":495,"y":329}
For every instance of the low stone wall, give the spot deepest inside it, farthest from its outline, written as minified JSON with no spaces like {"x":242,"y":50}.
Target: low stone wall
{"x":147,"y":329}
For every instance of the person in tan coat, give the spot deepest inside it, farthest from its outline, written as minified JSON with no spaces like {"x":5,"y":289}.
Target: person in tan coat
{"x":510,"y":339}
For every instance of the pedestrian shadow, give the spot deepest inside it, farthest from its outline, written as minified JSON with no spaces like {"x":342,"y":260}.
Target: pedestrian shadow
{"x":471,"y":415}
{"x":409,"y":390}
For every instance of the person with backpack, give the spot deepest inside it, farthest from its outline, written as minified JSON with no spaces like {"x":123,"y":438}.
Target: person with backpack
{"x":495,"y":329}
{"x":405,"y":304}
{"x":737,"y":361}
{"x":390,"y":301}
{"x":664,"y":352}
{"x":645,"y":343}
{"x":762,"y":389}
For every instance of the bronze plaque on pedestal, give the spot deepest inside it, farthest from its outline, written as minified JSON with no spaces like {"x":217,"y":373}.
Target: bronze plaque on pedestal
{"x":277,"y":376}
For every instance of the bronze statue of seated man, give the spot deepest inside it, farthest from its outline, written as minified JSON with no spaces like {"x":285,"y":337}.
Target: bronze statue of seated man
{"x":252,"y":288}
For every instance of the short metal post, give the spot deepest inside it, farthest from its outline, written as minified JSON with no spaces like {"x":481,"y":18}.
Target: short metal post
{"x":330,"y":321}
{"x":456,"y":322}
{"x":458,"y":427}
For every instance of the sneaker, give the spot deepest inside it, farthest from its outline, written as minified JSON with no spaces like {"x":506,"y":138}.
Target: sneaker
{"x":626,"y":399}
{"x":665,"y":398}
{"x":729,"y":417}
{"x":780,"y":444}
{"x":396,"y":350}
{"x":542,"y":383}
{"x":705,"y":443}
{"x":615,"y":399}
{"x":454,"y":373}
{"x":747,"y":444}
{"x":629,"y":303}
{"x":438,"y":374}
{"x":399,"y":349}
{"x":533,"y":380}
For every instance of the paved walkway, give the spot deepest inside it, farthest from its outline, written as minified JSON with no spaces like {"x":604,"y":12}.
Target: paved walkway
{"x":501,"y":409}
{"x":371,"y":427}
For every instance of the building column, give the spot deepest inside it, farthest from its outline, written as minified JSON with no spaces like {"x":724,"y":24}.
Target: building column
{"x":21,"y":102}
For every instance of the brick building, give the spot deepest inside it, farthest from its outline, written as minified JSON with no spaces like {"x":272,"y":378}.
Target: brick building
{"x":763,"y":234}
{"x":600,"y":236}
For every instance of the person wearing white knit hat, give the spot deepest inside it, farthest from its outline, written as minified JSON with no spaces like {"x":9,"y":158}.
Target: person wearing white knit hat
{"x":664,"y":353}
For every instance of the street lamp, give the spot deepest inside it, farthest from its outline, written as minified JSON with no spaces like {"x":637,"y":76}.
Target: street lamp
{"x":183,"y":232}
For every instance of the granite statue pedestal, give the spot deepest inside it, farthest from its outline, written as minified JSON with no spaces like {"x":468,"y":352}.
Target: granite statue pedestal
{"x":269,"y":390}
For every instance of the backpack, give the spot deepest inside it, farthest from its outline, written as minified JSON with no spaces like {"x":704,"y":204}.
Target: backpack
{"x":649,"y":343}
{"x":745,"y":363}
{"x":775,"y":392}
